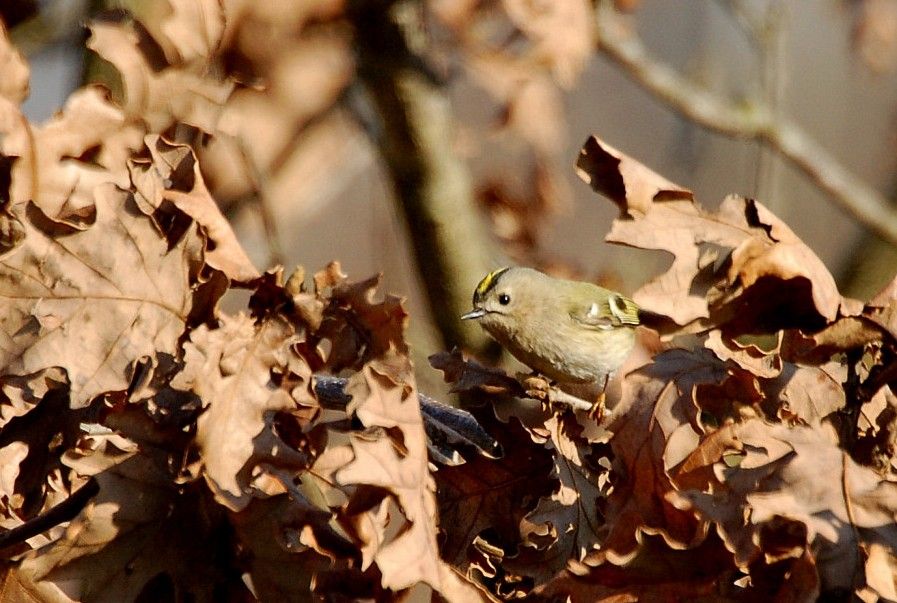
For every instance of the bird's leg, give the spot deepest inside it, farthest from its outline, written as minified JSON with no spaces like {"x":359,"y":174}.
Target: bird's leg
{"x":539,"y":387}
{"x":598,"y":406}
{"x":536,"y":386}
{"x":552,"y":397}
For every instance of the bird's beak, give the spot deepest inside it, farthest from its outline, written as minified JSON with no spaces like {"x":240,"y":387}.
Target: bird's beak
{"x":478,"y":313}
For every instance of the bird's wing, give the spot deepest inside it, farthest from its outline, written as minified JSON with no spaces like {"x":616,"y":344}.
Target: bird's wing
{"x":607,"y":312}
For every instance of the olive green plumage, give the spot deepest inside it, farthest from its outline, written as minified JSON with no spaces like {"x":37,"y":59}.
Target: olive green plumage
{"x":569,"y":331}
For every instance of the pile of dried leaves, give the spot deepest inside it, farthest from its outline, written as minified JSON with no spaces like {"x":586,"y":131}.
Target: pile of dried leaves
{"x":153,"y":448}
{"x":753,"y":459}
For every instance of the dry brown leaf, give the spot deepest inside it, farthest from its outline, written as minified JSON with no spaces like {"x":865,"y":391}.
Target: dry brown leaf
{"x":396,"y":463}
{"x":882,"y":309}
{"x":38,"y":429}
{"x":568,"y":525}
{"x":809,"y":394}
{"x":281,"y":565}
{"x":846,"y":333}
{"x":358,"y":326}
{"x":655,"y":428}
{"x":740,"y":267}
{"x":491,"y":495}
{"x":116,"y":287}
{"x":656,"y":574}
{"x":173,"y":175}
{"x":60,"y":164}
{"x":467,"y":375}
{"x":786,"y":477}
{"x":631,"y":185}
{"x":156,"y":93}
{"x":140,"y":527}
{"x":232,"y":368}
{"x":877,"y":433}
{"x":751,"y":357}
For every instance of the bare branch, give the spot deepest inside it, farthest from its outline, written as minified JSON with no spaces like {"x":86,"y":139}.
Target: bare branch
{"x":756,"y":122}
{"x":432,"y":185}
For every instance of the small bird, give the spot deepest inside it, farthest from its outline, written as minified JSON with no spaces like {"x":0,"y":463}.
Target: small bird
{"x":568,"y":331}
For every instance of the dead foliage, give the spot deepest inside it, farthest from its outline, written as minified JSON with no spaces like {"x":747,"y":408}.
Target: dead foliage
{"x":156,"y":448}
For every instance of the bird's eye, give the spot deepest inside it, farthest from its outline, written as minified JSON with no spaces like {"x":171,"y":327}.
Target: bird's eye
{"x":504,"y":299}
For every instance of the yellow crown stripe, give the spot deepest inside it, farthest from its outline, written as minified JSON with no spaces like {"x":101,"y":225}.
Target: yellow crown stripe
{"x":624,"y":310}
{"x":489,"y":281}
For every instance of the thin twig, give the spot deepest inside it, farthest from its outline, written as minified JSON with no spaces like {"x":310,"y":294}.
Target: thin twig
{"x":848,"y":506}
{"x":64,"y":511}
{"x":772,"y":43}
{"x":751,"y":122}
{"x":269,"y":223}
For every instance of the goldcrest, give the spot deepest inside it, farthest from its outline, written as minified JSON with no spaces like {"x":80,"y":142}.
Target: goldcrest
{"x":569,"y":331}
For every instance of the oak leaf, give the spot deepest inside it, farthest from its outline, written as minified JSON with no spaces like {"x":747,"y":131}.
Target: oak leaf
{"x":116,"y":287}
{"x":59,"y":164}
{"x":568,"y":524}
{"x":780,"y":478}
{"x":140,"y":529}
{"x":655,"y":427}
{"x":394,"y":462}
{"x":491,"y":495}
{"x":739,"y":267}
{"x":233,"y":369}
{"x":172,"y":174}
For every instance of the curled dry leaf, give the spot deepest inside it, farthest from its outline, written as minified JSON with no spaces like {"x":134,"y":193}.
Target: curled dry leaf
{"x":656,"y":426}
{"x":487,"y":498}
{"x":116,"y":287}
{"x":140,"y":527}
{"x":805,"y":394}
{"x":766,"y":363}
{"x":568,"y":525}
{"x":234,"y":369}
{"x":656,"y":574}
{"x":845,"y":334}
{"x":795,"y":486}
{"x":172,"y":174}
{"x":882,"y":309}
{"x":281,"y":569}
{"x":59,"y":164}
{"x":792,"y":392}
{"x":630,"y":184}
{"x":38,"y":427}
{"x":739,"y":267}
{"x":382,"y":323}
{"x":467,"y":375}
{"x":395,"y":465}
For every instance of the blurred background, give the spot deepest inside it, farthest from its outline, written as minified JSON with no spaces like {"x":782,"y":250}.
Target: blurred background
{"x":434,"y":140}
